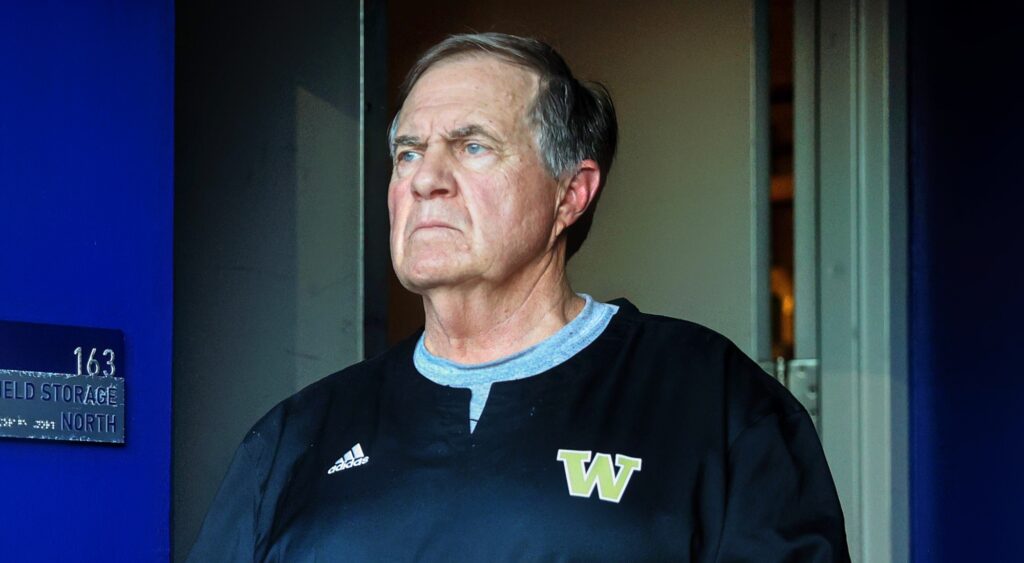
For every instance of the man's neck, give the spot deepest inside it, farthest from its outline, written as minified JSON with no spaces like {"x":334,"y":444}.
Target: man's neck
{"x":484,"y":324}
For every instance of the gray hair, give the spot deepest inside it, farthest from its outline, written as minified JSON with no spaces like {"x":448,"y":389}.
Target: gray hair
{"x":572,"y":120}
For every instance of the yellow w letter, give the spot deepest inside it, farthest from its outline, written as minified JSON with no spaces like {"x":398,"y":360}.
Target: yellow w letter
{"x":582,"y":479}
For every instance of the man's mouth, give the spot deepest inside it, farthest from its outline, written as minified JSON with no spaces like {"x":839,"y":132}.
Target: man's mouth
{"x":433,"y":225}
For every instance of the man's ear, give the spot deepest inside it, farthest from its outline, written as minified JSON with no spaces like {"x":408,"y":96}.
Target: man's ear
{"x":578,"y":195}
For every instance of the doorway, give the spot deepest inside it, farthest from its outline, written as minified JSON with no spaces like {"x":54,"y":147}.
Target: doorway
{"x":758,"y":190}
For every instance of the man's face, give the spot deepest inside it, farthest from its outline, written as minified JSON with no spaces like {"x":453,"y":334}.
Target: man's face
{"x":470,"y":200}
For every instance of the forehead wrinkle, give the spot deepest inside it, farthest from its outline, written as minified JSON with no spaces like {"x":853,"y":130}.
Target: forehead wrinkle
{"x":471,"y":130}
{"x":459,"y":132}
{"x":422,"y":120}
{"x":499,"y":86}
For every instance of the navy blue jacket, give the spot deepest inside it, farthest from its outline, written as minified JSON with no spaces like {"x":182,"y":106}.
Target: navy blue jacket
{"x":659,"y":441}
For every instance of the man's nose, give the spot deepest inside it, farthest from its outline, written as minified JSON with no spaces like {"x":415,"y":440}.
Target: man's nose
{"x":433,"y":176}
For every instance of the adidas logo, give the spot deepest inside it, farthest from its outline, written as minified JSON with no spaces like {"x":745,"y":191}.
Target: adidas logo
{"x":352,"y":458}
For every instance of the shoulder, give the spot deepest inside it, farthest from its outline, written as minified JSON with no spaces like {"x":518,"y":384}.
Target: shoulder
{"x":671,"y":337}
{"x":705,"y":363}
{"x":292,"y":421}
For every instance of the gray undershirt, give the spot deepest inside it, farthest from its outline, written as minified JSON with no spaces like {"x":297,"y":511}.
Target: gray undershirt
{"x":548,"y":353}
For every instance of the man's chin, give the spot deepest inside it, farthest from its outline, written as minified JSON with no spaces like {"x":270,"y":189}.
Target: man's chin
{"x":427,"y":279}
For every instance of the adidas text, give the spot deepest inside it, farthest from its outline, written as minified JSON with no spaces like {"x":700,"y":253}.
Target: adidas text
{"x":352,"y":458}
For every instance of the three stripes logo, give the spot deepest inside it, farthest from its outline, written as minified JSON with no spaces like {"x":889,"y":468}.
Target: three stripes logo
{"x":583,"y":479}
{"x":352,"y":458}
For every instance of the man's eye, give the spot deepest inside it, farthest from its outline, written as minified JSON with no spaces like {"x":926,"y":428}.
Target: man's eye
{"x":407,"y":156}
{"x":475,"y":149}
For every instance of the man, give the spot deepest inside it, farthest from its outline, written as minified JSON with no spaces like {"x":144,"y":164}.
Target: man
{"x":526,"y":421}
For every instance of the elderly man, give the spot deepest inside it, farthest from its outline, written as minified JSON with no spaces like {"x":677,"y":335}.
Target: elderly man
{"x":526,"y":421}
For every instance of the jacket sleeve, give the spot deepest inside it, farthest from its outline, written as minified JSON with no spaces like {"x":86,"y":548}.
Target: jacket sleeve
{"x":229,"y":529}
{"x":781,"y":503}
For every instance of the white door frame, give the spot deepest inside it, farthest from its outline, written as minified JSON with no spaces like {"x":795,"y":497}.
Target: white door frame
{"x":851,"y":255}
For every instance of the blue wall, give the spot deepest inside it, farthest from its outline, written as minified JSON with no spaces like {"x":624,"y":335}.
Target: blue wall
{"x":86,"y":200}
{"x":967,"y":282}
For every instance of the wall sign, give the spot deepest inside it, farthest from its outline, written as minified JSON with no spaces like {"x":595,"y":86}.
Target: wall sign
{"x":61,"y":383}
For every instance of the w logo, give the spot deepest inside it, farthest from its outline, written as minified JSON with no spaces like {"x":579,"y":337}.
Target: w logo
{"x":582,"y":479}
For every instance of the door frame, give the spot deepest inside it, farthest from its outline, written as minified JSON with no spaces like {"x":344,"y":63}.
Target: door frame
{"x":851,"y":238}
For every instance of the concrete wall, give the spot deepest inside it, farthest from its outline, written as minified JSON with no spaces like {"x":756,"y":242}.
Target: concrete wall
{"x":682,"y":227}
{"x":268,"y":215}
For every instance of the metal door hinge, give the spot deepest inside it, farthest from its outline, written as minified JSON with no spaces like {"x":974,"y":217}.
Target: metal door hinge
{"x":802,"y":378}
